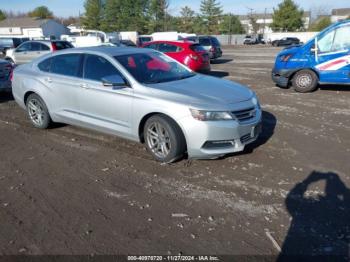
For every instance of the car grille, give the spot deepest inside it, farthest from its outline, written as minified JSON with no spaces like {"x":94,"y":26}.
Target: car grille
{"x":245,"y":115}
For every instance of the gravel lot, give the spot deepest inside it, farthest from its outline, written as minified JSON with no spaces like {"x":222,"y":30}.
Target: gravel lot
{"x":72,"y":191}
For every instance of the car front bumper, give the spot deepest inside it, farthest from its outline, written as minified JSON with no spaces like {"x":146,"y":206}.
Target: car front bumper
{"x":212,"y":139}
{"x":281,"y":77}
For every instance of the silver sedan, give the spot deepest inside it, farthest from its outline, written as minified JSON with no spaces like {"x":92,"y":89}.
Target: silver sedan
{"x":141,"y":95}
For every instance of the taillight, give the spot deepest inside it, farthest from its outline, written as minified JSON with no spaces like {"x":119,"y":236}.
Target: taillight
{"x":194,"y":57}
{"x":11,"y":75}
{"x":54,"y":47}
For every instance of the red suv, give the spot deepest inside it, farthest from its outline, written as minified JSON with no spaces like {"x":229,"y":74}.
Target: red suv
{"x":188,"y":53}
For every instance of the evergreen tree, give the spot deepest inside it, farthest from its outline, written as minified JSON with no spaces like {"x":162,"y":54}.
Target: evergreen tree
{"x":211,"y":11}
{"x":111,"y":20}
{"x":287,"y":17}
{"x":93,"y":14}
{"x":187,"y":19}
{"x":321,"y":24}
{"x":41,"y":12}
{"x":2,"y":15}
{"x":158,"y":16}
{"x":230,"y":24}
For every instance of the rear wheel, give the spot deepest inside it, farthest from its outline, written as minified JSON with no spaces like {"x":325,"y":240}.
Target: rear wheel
{"x":37,"y":112}
{"x":164,"y":139}
{"x":305,"y":81}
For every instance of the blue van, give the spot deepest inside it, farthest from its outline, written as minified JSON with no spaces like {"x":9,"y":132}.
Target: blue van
{"x":324,"y":59}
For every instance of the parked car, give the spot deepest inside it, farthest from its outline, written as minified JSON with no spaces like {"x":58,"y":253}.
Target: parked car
{"x":143,"y":39}
{"x":212,"y":45}
{"x":286,"y":41}
{"x":29,"y":50}
{"x":128,"y":43}
{"x":188,"y":53}
{"x":325,"y":59}
{"x":10,"y":42}
{"x":253,"y":40}
{"x":142,"y":95}
{"x":5,"y":75}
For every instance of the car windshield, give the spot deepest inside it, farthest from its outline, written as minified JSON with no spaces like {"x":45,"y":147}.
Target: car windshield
{"x":62,"y":45}
{"x":153,"y":67}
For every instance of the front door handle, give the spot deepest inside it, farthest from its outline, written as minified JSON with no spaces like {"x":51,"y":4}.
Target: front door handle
{"x":48,"y":79}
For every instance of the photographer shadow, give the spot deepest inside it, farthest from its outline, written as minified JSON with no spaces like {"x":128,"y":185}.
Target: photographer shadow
{"x":320,"y":228}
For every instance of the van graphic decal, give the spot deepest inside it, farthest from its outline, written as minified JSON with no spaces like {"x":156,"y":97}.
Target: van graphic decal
{"x":334,"y":64}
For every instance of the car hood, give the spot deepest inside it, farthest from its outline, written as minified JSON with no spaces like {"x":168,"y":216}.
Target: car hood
{"x":290,"y":50}
{"x":202,"y":91}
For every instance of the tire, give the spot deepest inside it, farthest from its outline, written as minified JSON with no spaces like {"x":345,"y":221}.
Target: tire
{"x":172,"y":144}
{"x":37,"y":112}
{"x":305,"y":81}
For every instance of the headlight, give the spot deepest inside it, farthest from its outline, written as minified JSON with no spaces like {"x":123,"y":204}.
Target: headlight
{"x":255,"y":101}
{"x":210,"y":115}
{"x":285,"y":58}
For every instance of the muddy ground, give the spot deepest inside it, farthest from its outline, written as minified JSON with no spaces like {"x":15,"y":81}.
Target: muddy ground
{"x":67,"y":190}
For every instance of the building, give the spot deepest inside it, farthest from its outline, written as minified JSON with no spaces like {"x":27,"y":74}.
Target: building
{"x":75,"y":28}
{"x":263,"y":22}
{"x":34,"y":28}
{"x":340,"y":14}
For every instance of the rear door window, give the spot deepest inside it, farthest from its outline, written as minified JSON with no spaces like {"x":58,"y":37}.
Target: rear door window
{"x":168,"y":48}
{"x":45,"y":65}
{"x":44,"y":47}
{"x":68,"y":64}
{"x":152,"y":46}
{"x":35,"y":46}
{"x":197,"y":48}
{"x":97,"y":67}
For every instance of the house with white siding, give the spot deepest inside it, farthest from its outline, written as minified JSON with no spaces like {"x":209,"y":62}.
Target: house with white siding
{"x":34,"y":28}
{"x":340,"y":14}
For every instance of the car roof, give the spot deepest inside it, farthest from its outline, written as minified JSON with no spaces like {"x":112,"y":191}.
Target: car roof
{"x":45,"y":41}
{"x":107,"y":50}
{"x":178,"y":42}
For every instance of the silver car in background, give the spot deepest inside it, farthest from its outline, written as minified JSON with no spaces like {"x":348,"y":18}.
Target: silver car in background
{"x":30,"y":50}
{"x":142,"y":95}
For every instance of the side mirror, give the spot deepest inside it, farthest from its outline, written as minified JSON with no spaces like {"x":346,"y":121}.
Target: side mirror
{"x":114,"y":80}
{"x":313,"y":49}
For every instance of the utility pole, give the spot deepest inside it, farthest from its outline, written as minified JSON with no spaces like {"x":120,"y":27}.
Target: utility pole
{"x":229,"y":30}
{"x":250,"y":17}
{"x":264,"y":22}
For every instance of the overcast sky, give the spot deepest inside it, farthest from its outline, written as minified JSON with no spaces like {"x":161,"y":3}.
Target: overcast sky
{"x":72,"y":7}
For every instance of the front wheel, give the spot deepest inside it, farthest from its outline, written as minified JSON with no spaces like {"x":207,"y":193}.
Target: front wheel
{"x":164,"y":139}
{"x":305,"y":81}
{"x":37,"y":112}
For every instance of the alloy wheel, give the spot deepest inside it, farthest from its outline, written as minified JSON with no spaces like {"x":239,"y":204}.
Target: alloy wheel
{"x":36,"y":111}
{"x":158,"y":139}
